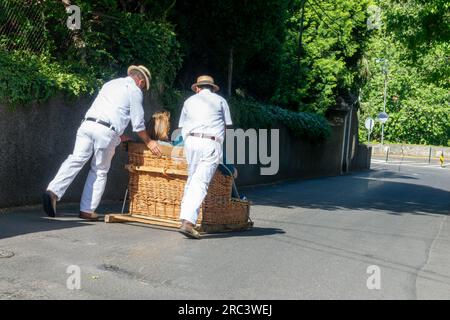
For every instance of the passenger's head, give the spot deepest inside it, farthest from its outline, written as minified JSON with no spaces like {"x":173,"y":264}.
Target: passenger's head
{"x":159,"y":125}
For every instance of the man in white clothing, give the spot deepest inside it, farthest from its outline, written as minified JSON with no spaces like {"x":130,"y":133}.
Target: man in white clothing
{"x":118,"y":102}
{"x":203,"y":120}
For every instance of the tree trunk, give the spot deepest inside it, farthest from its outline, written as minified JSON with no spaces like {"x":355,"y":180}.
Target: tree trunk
{"x":167,"y":11}
{"x":230,"y":72}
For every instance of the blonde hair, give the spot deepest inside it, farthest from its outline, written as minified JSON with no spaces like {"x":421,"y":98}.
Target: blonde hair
{"x":159,"y":126}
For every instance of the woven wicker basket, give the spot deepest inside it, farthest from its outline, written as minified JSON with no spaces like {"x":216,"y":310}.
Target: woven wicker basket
{"x":156,"y":188}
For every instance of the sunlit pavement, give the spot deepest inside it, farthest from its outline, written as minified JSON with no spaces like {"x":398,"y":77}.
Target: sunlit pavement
{"x":409,"y":161}
{"x":313,"y":239}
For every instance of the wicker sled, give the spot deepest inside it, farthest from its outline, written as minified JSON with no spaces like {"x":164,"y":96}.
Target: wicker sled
{"x":156,"y":188}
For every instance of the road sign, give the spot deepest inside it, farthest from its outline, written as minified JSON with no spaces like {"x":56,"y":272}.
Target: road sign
{"x":369,"y":123}
{"x":383,"y":117}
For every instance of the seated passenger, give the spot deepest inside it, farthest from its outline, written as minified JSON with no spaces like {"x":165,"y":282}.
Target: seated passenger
{"x":158,"y":127}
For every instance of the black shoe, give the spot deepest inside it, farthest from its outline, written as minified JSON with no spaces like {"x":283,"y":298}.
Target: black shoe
{"x":48,"y":204}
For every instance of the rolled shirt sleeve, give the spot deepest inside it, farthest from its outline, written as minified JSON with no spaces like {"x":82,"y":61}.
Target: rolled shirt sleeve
{"x":137,"y":111}
{"x":226,"y":113}
{"x":182,"y":117}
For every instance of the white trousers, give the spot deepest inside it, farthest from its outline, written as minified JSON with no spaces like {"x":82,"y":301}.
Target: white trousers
{"x":203,"y":157}
{"x":96,"y":141}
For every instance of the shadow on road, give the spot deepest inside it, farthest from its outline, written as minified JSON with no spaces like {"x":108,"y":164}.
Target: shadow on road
{"x":387,"y":191}
{"x":370,"y":191}
{"x":254,"y":232}
{"x":20,"y":221}
{"x":16,"y":224}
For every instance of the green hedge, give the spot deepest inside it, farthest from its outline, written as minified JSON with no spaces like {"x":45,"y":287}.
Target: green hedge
{"x":130,"y":38}
{"x":248,"y":113}
{"x":27,"y":77}
{"x":78,"y":63}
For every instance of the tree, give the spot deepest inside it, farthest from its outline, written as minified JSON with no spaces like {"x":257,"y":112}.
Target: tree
{"x":326,"y":66}
{"x":418,"y":97}
{"x":252,"y":31}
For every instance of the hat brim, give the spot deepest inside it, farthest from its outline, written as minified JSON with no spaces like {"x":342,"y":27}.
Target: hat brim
{"x":214,"y":86}
{"x":147,"y":81}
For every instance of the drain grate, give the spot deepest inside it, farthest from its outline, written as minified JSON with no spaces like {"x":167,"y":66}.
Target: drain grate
{"x":6,"y":254}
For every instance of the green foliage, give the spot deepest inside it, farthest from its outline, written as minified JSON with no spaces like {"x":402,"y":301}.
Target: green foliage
{"x":326,"y":64}
{"x":418,"y":96}
{"x":27,"y":77}
{"x":21,"y":25}
{"x":254,"y":30}
{"x":39,"y":57}
{"x":430,"y":126}
{"x":248,"y":113}
{"x":420,"y":114}
{"x":122,"y":38}
{"x":418,"y":23}
{"x":75,"y":62}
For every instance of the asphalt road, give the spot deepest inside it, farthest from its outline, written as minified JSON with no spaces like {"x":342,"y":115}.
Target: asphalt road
{"x":313,"y":239}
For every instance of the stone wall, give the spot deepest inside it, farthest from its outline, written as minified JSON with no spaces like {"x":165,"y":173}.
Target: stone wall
{"x":35,"y":140}
{"x":410,"y":150}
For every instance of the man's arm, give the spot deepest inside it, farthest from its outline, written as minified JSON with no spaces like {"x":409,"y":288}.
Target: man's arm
{"x":137,"y":122}
{"x":226,"y":115}
{"x":182,"y":116}
{"x":151,"y":144}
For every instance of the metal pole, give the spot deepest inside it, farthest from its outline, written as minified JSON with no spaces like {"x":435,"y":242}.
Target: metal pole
{"x":124,"y":201}
{"x":348,"y":139}
{"x":401,"y":161}
{"x":384,"y":98}
{"x":429,"y":157}
{"x":343,"y":143}
{"x":385,"y":86}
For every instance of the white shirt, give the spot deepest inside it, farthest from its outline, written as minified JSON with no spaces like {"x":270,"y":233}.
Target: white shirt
{"x":118,"y":102}
{"x":205,"y":112}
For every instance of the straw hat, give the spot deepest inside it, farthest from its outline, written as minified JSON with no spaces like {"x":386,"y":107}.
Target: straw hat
{"x":144,"y":71}
{"x":205,"y":80}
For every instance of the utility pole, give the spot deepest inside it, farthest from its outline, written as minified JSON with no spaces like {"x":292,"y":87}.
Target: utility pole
{"x":384,"y":98}
{"x":300,"y":37}
{"x":384,"y":68}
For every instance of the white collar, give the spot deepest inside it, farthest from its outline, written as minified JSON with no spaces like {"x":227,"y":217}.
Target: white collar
{"x":131,"y":80}
{"x":205,"y":91}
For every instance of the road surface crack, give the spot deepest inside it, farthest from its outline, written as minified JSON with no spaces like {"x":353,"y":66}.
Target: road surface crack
{"x":428,"y":255}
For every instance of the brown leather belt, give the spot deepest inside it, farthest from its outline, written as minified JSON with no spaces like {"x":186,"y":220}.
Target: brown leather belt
{"x":202,"y":135}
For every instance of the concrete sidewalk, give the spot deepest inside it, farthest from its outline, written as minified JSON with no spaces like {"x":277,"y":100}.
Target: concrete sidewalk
{"x":313,"y":239}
